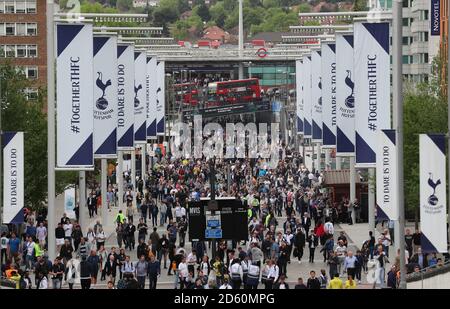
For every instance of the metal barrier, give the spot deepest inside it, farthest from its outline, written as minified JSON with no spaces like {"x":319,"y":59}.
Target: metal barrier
{"x":428,"y":272}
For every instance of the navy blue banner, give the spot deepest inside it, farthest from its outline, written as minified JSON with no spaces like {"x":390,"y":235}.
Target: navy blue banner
{"x":435,"y":17}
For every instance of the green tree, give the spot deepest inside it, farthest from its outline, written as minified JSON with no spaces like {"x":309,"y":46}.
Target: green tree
{"x":218,"y":13}
{"x":230,"y":5}
{"x":271,"y":3}
{"x":424,"y":112}
{"x":124,"y":5}
{"x":203,"y":11}
{"x":304,"y":8}
{"x":19,"y":114}
{"x":360,"y":5}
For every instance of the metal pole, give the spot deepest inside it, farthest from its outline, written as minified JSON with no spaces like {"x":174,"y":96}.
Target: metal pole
{"x":104,"y":170}
{"x":241,"y":41}
{"x":448,"y":100}
{"x":143,"y":161}
{"x":212,"y":185}
{"x":371,"y":205}
{"x":353,"y":185}
{"x":1,"y":157}
{"x":397,"y":33}
{"x":318,"y":156}
{"x":338,"y":163}
{"x":51,"y":132}
{"x":133,"y":175}
{"x":119,"y":179}
{"x":82,"y":200}
{"x":327,"y":159}
{"x":241,"y":31}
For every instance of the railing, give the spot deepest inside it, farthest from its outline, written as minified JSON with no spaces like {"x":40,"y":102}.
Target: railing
{"x":428,"y":272}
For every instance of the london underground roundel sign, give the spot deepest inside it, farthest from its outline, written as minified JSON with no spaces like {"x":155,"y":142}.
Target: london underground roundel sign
{"x":262,"y":52}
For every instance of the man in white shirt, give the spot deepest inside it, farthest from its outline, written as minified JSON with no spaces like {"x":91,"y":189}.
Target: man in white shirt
{"x":68,"y":227}
{"x":191,"y":260}
{"x":328,"y":228}
{"x":236,"y":274}
{"x":183,"y":272}
{"x":340,"y":251}
{"x":41,"y":233}
{"x":29,"y":245}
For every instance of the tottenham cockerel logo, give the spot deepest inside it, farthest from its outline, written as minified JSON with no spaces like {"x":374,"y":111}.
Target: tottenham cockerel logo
{"x":432,"y":199}
{"x":101,"y":102}
{"x":136,"y":90}
{"x":319,"y":101}
{"x":350,"y":100}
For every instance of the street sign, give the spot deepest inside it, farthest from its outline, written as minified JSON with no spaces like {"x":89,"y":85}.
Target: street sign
{"x":213,"y":224}
{"x":213,"y":233}
{"x":262,"y":52}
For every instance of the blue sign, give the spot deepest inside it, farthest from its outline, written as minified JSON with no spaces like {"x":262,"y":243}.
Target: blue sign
{"x":435,"y":17}
{"x":213,"y":223}
{"x":213,"y":233}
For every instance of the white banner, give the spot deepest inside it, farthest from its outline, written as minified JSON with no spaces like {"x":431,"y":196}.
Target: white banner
{"x":125,"y":91}
{"x":74,"y":96}
{"x":373,"y":88}
{"x":105,"y":96}
{"x":307,"y":106}
{"x":316,"y":96}
{"x":140,"y":100}
{"x":299,"y":95}
{"x":69,"y":202}
{"x":386,"y":171}
{"x":433,"y":197}
{"x":160,"y":98}
{"x":152,"y":87}
{"x":13,"y":177}
{"x":345,"y":118}
{"x":329,"y":95}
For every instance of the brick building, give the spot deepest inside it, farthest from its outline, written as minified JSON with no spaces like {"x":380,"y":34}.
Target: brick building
{"x":23,"y":39}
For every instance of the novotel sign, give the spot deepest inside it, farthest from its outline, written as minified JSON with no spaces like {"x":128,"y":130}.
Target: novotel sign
{"x":435,"y":17}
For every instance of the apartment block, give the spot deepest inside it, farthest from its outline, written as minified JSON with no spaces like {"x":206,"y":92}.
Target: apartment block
{"x":23,"y":39}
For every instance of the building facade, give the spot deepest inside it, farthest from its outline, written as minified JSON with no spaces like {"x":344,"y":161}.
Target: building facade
{"x":23,"y":43}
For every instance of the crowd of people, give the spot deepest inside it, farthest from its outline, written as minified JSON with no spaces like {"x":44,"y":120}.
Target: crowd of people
{"x":289,"y":191}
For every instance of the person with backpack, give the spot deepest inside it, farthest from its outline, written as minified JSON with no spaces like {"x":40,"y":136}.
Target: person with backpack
{"x":85,"y":274}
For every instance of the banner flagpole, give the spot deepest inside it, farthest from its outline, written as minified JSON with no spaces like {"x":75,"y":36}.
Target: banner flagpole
{"x":51,"y":132}
{"x":397,"y":34}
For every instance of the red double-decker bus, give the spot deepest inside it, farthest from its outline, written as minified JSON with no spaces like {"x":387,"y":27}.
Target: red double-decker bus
{"x":234,"y":91}
{"x":186,"y":93}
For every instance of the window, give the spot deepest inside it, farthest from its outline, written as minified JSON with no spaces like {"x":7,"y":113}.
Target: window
{"x":423,"y":36}
{"x":2,"y":29}
{"x":10,"y":51}
{"x":9,"y":7}
{"x":31,"y":6}
{"x":21,"y":29}
{"x":20,"y":7}
{"x":31,"y":72}
{"x":32,"y":51}
{"x":405,"y":22}
{"x":405,"y":59}
{"x":31,"y":29}
{"x":10,"y":29}
{"x":406,"y":40}
{"x":21,"y":51}
{"x":2,"y":51}
{"x":2,"y":7}
{"x":31,"y":93}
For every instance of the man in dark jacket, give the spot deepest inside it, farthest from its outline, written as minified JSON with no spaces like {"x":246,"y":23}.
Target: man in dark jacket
{"x":313,"y":283}
{"x":154,"y":270}
{"x":313,"y":242}
{"x":392,"y":278}
{"x":85,"y":274}
{"x":299,"y":243}
{"x":111,"y":268}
